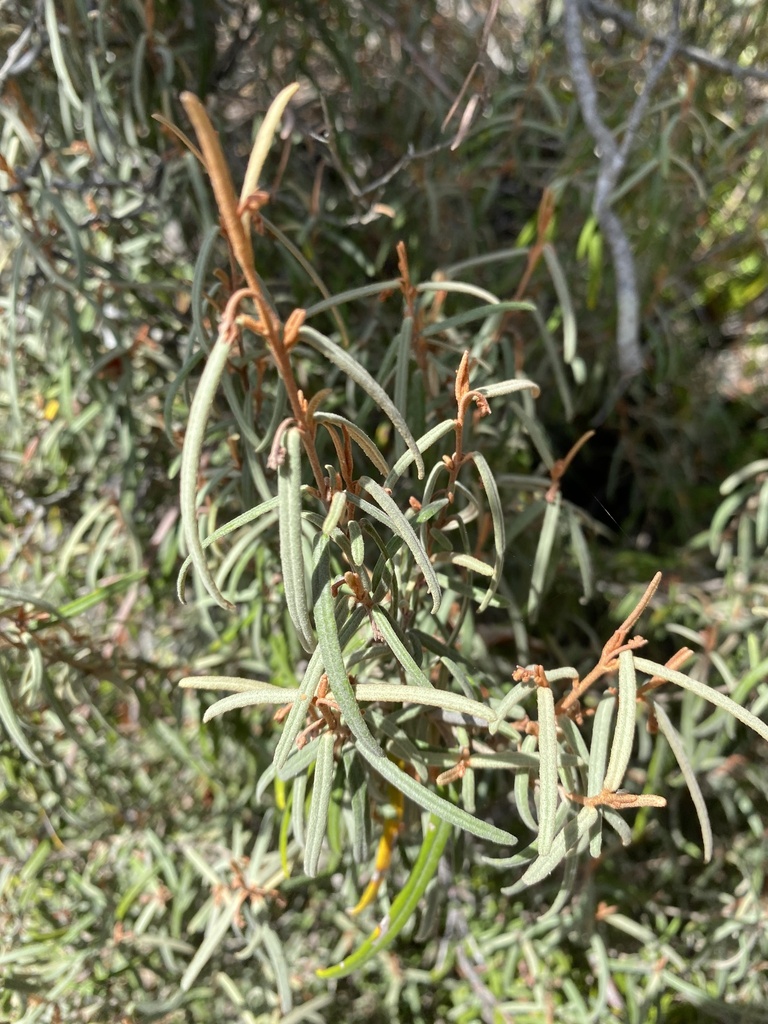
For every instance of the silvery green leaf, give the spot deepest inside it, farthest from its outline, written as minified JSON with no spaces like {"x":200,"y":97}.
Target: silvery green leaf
{"x":291,"y":552}
{"x":190,"y":463}
{"x":357,"y":787}
{"x":489,"y":309}
{"x":446,"y":699}
{"x":560,"y":282}
{"x":678,"y":749}
{"x":424,"y":442}
{"x":403,"y":365}
{"x":543,"y":555}
{"x":581,"y":551}
{"x":548,"y":768}
{"x":357,"y":544}
{"x":367,"y":444}
{"x":626,"y":718}
{"x":242,"y":520}
{"x":322,"y":788}
{"x":264,"y":694}
{"x":335,"y":512}
{"x":508,"y":387}
{"x":510,"y":700}
{"x":389,"y":630}
{"x":331,"y":650}
{"x":361,"y":376}
{"x":743,"y":474}
{"x":566,"y":841}
{"x":618,"y":824}
{"x":311,"y":678}
{"x":400,"y":525}
{"x":522,"y":787}
{"x":298,"y":761}
{"x":425,"y":797}
{"x":497,"y":519}
{"x":298,"y":713}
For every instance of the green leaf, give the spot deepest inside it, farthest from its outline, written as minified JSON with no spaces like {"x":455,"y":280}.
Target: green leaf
{"x":360,"y":808}
{"x":548,"y":751}
{"x":400,"y":525}
{"x":360,"y":376}
{"x":331,"y":651}
{"x":430,"y":801}
{"x":476,"y":313}
{"x":364,"y":442}
{"x":626,"y":719}
{"x":598,"y":756}
{"x":389,"y":630}
{"x":678,"y":749}
{"x":402,"y":368}
{"x":565,"y":842}
{"x":447,"y":700}
{"x":510,"y":700}
{"x":291,"y":551}
{"x":265,"y":693}
{"x":652,"y":668}
{"x":543,"y":555}
{"x":190,"y":464}
{"x":432,"y":436}
{"x":497,"y":519}
{"x":560,"y":282}
{"x":404,"y":905}
{"x":11,"y":723}
{"x":322,"y":787}
{"x":580,"y":549}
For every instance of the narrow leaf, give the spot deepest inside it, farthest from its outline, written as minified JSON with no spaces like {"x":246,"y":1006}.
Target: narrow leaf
{"x":400,"y":525}
{"x":361,"y":376}
{"x":602,"y":728}
{"x":333,"y":658}
{"x":566,"y":840}
{"x":543,"y":555}
{"x":263,"y":142}
{"x":318,"y":808}
{"x":497,"y":519}
{"x":404,"y":905}
{"x":11,"y":723}
{"x":265,"y":694}
{"x":447,"y":700}
{"x":389,"y":631}
{"x":430,"y":801}
{"x":510,"y":700}
{"x":367,"y":444}
{"x":581,"y":551}
{"x":548,"y":792}
{"x":190,"y":464}
{"x":291,"y":552}
{"x":678,"y":749}
{"x":626,"y":718}
{"x":560,"y":282}
{"x":402,"y":375}
{"x":423,"y":444}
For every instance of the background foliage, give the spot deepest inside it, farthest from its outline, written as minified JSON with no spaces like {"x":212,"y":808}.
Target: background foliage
{"x":141,"y":875}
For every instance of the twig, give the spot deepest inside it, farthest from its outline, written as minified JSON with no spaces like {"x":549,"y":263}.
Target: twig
{"x":613,"y":158}
{"x":694,"y":53}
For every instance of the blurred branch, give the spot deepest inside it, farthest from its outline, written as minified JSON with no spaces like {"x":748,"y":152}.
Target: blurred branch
{"x":598,"y":9}
{"x":613,"y":158}
{"x":25,"y":50}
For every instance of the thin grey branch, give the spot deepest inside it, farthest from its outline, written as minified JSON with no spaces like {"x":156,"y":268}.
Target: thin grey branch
{"x":613,"y":158}
{"x":598,"y":9}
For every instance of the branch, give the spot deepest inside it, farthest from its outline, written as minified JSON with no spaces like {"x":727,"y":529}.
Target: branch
{"x":613,"y":158}
{"x":598,"y":9}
